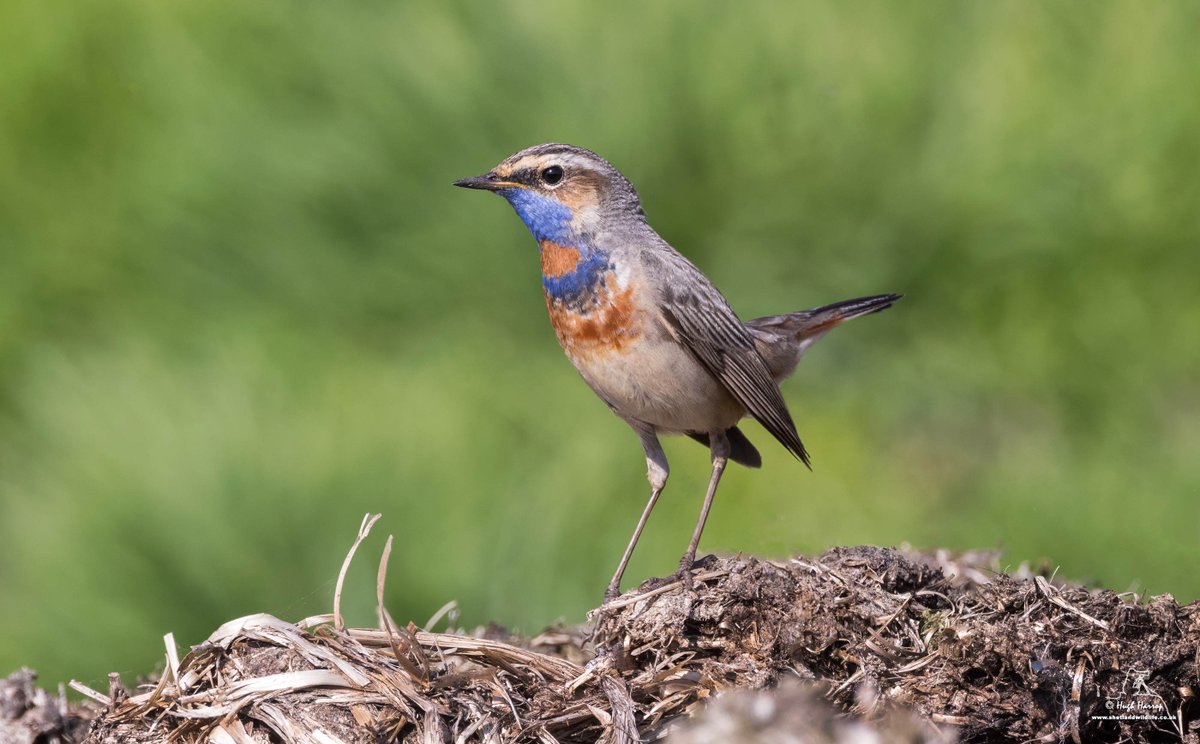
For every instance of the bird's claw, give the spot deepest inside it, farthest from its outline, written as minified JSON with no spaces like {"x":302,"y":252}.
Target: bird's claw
{"x":611,"y":593}
{"x":684,"y":575}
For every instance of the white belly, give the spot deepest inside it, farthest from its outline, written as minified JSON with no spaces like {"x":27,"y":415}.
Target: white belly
{"x":658,"y":382}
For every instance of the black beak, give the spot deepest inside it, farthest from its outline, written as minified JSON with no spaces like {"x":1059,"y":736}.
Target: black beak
{"x":486,"y":182}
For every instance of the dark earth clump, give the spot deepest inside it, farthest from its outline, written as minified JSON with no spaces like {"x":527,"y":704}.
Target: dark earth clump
{"x":997,"y":657}
{"x":29,"y":714}
{"x":856,"y":645}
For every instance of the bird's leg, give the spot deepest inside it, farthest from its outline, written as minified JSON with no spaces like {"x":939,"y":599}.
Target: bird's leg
{"x":720,"y":456}
{"x":656,"y":472}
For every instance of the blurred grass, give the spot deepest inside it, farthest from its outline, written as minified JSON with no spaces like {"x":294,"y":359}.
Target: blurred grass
{"x":240,"y":304}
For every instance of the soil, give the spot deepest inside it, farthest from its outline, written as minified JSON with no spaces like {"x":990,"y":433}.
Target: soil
{"x":859,"y":644}
{"x":29,"y":714}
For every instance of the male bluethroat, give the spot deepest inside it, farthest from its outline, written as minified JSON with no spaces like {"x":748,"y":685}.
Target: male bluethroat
{"x":646,"y":329}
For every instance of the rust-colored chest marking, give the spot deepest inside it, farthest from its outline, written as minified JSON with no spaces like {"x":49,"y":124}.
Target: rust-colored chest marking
{"x":609,"y":323}
{"x":558,"y":260}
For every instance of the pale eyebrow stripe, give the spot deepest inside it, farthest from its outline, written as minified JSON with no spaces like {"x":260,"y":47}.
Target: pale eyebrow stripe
{"x":529,"y":161}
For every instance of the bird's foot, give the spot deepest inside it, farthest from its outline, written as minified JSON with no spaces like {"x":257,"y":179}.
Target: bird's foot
{"x":603,"y":619}
{"x":601,"y":613}
{"x":612,"y":592}
{"x":684,"y":574}
{"x":689,"y":567}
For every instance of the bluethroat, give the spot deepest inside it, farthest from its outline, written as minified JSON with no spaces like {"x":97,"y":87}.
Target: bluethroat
{"x":646,"y":329}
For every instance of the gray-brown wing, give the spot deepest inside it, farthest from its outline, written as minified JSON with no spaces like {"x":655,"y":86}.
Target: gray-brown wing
{"x":701,"y":320}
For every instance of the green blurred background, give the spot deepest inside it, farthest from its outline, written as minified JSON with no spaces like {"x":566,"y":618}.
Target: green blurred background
{"x":241,"y":305}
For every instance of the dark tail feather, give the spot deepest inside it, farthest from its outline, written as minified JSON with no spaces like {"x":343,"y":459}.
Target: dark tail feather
{"x":741,"y":450}
{"x":806,"y":323}
{"x":847,"y":309}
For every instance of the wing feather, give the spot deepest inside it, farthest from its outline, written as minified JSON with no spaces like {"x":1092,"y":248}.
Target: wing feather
{"x":701,"y":320}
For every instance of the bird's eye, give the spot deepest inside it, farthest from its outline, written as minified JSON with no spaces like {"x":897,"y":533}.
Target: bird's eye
{"x":552,"y":174}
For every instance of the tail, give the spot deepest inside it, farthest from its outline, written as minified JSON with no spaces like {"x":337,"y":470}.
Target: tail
{"x":808,"y":323}
{"x":782,"y":339}
{"x":741,"y":450}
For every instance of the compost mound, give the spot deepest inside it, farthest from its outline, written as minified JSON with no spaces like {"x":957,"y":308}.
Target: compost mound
{"x":856,"y":645}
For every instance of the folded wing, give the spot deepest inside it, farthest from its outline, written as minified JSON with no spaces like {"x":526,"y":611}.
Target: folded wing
{"x":701,"y":320}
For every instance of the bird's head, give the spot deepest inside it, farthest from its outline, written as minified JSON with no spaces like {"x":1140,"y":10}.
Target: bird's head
{"x":562,"y":193}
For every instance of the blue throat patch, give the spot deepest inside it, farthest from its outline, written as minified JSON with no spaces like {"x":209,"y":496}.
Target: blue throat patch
{"x":578,"y":289}
{"x":550,"y":219}
{"x":546,"y":218}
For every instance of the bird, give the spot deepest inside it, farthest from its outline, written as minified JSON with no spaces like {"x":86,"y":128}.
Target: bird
{"x":647,"y":330}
